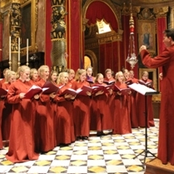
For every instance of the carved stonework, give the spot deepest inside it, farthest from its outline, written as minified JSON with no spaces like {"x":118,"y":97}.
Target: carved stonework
{"x":127,"y":9}
{"x":58,"y":19}
{"x":15,"y":25}
{"x":146,"y":14}
{"x":58,"y":35}
{"x":172,"y":17}
{"x":160,"y":11}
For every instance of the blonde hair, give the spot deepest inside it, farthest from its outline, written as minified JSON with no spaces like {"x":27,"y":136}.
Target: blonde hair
{"x":70,"y":70}
{"x":145,"y":73}
{"x":108,"y":70}
{"x":118,"y":74}
{"x":61,"y":75}
{"x":9,"y":75}
{"x":97,"y":76}
{"x":78,"y":73}
{"x":42,"y":69}
{"x":32,"y":72}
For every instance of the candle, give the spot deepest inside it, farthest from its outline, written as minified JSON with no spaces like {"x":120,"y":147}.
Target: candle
{"x":27,"y":52}
{"x":9,"y":48}
{"x":19,"y":49}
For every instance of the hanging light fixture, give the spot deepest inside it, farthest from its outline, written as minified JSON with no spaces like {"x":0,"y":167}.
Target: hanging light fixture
{"x":131,"y":58}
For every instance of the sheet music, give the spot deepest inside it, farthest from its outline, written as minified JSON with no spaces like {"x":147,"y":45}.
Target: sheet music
{"x":142,"y":89}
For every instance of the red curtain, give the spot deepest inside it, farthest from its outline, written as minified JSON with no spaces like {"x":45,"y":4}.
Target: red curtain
{"x":116,"y":55}
{"x":109,"y":56}
{"x":102,"y":58}
{"x":74,"y":35}
{"x":48,"y":43}
{"x":161,"y":26}
{"x":99,"y":10}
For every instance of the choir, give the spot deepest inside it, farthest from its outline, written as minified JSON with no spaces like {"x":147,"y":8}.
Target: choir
{"x":39,"y":124}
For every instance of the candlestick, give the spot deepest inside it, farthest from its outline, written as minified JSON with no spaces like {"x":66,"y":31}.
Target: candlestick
{"x":9,"y":52}
{"x":27,"y":60}
{"x":19,"y":51}
{"x":9,"y":48}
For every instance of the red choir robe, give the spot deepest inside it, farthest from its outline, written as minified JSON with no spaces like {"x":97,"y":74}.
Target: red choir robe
{"x":166,"y":128}
{"x":44,"y":122}
{"x":1,"y":109}
{"x":6,"y":115}
{"x":101,"y":118}
{"x":111,"y":97}
{"x":1,"y":82}
{"x":122,"y":123}
{"x":81,"y":112}
{"x":140,"y":103}
{"x":21,"y":144}
{"x":132,"y":105}
{"x":64,"y":125}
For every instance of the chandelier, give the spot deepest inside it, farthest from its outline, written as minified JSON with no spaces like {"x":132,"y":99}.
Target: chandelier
{"x":131,"y":58}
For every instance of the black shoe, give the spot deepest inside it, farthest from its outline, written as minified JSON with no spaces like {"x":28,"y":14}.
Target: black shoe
{"x":84,"y":138}
{"x":100,"y":133}
{"x":78,"y":138}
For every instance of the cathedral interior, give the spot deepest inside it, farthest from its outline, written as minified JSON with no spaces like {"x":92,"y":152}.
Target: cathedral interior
{"x":76,"y":34}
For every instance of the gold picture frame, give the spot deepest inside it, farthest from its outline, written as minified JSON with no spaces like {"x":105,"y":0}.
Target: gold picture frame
{"x":147,"y":34}
{"x":29,"y":15}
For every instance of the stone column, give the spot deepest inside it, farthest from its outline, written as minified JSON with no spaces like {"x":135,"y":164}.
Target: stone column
{"x":58,"y":35}
{"x":15,"y":30}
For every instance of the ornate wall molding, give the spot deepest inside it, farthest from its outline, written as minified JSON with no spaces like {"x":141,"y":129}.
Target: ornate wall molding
{"x":172,"y":17}
{"x":146,"y":14}
{"x":160,"y":11}
{"x":127,"y":9}
{"x":109,"y":37}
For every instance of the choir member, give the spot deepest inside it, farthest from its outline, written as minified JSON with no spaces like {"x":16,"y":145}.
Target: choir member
{"x":21,"y":144}
{"x":64,"y":112}
{"x":141,"y":103}
{"x":71,"y":76}
{"x":108,"y":79}
{"x":122,"y":124}
{"x":53,"y":77}
{"x":34,"y":75}
{"x":101,"y":118}
{"x":10,"y":77}
{"x":82,"y":107}
{"x":129,"y":77}
{"x":4,"y":74}
{"x":89,"y":75}
{"x":44,"y":120}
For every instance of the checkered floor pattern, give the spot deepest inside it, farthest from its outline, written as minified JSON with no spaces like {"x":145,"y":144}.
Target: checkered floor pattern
{"x":108,"y":154}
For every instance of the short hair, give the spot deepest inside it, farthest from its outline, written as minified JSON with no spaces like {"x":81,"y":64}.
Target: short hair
{"x":169,"y":33}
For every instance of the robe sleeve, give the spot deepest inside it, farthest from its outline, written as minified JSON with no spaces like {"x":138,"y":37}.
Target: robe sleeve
{"x":12,"y":95}
{"x":157,"y":61}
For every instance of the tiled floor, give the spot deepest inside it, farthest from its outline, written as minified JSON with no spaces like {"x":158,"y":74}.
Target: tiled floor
{"x":109,"y":154}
